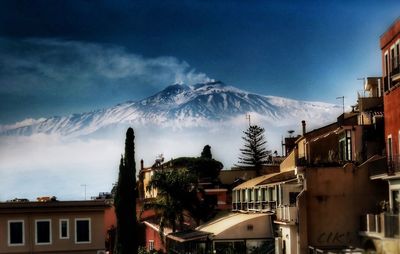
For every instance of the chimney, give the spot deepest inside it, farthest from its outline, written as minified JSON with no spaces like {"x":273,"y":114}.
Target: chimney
{"x":303,"y":123}
{"x":141,"y":164}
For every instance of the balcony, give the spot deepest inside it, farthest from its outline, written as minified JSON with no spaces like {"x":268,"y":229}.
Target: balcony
{"x":383,"y":168}
{"x":368,"y":103}
{"x":286,"y":215}
{"x":384,"y":225}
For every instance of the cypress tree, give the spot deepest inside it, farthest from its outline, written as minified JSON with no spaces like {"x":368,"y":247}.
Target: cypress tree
{"x":125,"y":200}
{"x":254,"y":152}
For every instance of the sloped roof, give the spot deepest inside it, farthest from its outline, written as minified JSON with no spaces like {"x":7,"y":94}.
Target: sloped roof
{"x":234,"y":226}
{"x":267,"y":179}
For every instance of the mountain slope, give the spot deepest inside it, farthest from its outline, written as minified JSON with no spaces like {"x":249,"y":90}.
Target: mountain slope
{"x":180,"y":105}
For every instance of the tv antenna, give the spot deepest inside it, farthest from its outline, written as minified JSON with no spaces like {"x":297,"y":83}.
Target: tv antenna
{"x":248,"y":118}
{"x":341,"y":97}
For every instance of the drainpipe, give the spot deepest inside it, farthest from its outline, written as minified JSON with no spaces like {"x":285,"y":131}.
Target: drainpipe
{"x":301,"y":179}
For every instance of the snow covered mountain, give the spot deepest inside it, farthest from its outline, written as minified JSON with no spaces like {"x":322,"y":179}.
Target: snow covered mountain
{"x":181,"y":106}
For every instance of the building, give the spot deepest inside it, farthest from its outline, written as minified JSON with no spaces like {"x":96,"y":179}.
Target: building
{"x":381,"y":229}
{"x":54,"y":226}
{"x":320,"y":211}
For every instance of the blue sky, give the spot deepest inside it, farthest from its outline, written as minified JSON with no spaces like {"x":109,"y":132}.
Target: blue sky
{"x":61,"y":57}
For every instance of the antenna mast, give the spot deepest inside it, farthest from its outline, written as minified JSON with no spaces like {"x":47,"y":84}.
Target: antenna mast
{"x":248,"y":118}
{"x":341,"y":97}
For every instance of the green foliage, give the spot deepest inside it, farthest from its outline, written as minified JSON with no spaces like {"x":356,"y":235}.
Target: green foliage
{"x":125,"y":199}
{"x":265,"y":247}
{"x":201,"y":167}
{"x":175,"y":190}
{"x":206,"y":153}
{"x":143,"y":250}
{"x":254,"y":152}
{"x":178,"y":192}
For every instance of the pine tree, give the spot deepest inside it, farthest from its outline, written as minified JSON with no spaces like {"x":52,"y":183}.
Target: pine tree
{"x":254,"y":152}
{"x":206,"y":153}
{"x":125,"y":200}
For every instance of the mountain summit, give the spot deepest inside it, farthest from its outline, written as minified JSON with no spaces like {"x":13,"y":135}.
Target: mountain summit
{"x":180,"y":105}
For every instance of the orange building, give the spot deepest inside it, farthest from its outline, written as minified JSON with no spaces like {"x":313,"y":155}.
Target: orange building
{"x":390,"y":46}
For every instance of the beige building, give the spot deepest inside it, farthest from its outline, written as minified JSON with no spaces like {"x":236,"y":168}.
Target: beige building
{"x":332,"y":165}
{"x":53,"y":227}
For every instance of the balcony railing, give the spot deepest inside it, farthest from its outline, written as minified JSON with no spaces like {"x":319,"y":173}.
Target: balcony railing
{"x":384,"y":225}
{"x":393,"y":164}
{"x":367,"y":103}
{"x":254,"y":206}
{"x":286,"y":214}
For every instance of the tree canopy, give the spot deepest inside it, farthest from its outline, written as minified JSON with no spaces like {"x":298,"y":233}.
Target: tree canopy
{"x":254,"y":152}
{"x":206,"y":153}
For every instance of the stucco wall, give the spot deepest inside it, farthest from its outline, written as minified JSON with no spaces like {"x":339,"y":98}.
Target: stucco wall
{"x":392,"y":117}
{"x":336,"y":199}
{"x":153,"y":235}
{"x":64,"y":245}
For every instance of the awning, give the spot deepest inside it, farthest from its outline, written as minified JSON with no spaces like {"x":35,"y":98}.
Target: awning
{"x":239,"y":226}
{"x":267,"y":179}
{"x":188,"y":235}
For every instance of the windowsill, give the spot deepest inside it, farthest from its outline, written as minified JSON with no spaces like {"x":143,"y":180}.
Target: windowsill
{"x":43,"y":243}
{"x":83,"y":242}
{"x":16,"y":244}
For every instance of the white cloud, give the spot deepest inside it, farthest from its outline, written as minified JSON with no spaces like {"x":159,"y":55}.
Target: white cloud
{"x":37,"y":66}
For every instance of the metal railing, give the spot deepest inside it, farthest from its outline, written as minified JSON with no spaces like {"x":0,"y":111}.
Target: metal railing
{"x":286,"y":214}
{"x":384,"y":224}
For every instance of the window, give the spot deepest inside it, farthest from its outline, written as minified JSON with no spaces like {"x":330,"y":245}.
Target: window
{"x":396,"y":201}
{"x":43,"y":232}
{"x":396,"y":60}
{"x":151,"y":245}
{"x":392,"y":60}
{"x":64,"y":229}
{"x":390,"y":148}
{"x":82,"y":231}
{"x":16,"y":234}
{"x":398,"y":54}
{"x":273,"y":194}
{"x":345,"y":147}
{"x":293,"y":197}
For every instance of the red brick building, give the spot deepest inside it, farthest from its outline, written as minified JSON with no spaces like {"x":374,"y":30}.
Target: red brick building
{"x":390,"y":46}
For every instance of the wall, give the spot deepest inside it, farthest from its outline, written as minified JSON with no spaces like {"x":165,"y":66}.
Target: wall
{"x":392,"y":119}
{"x":109,"y":219}
{"x":64,"y":245}
{"x":152,"y":234}
{"x":289,"y":235}
{"x":290,"y":161}
{"x":336,"y":199}
{"x":390,"y":35}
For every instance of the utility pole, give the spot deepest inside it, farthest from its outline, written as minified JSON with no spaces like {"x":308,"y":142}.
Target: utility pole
{"x":341,"y":97}
{"x":84,"y":185}
{"x":248,"y":118}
